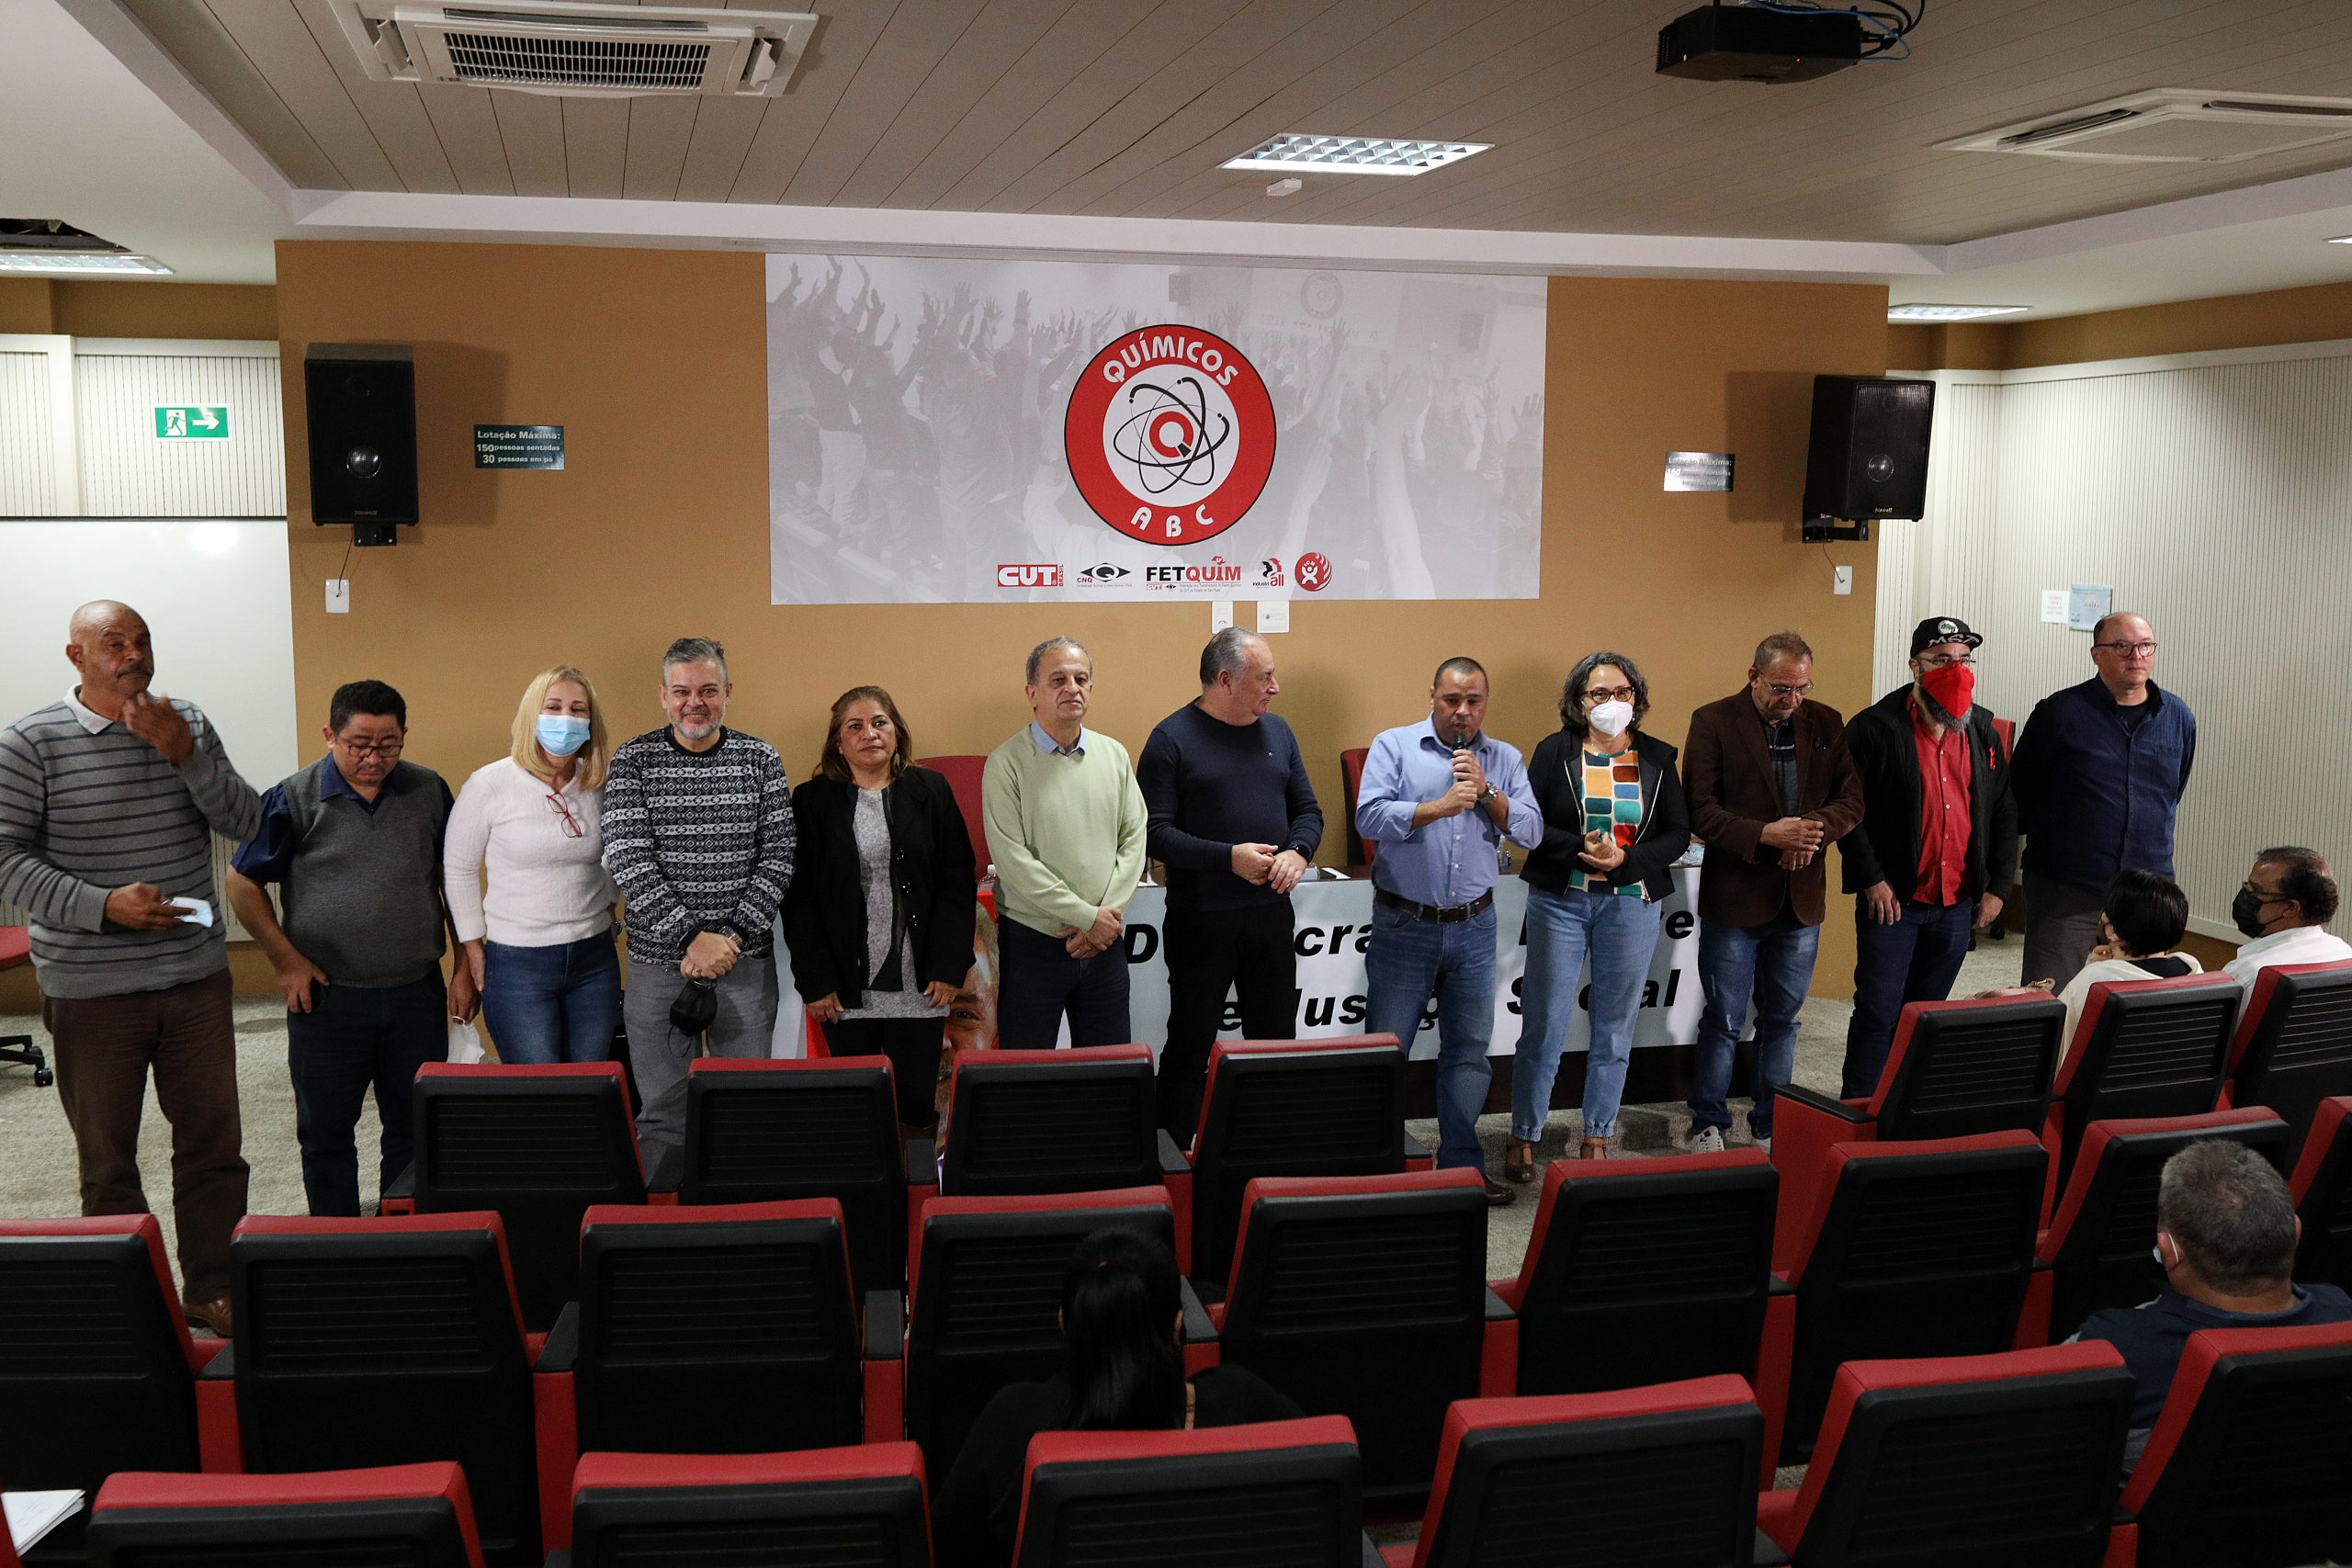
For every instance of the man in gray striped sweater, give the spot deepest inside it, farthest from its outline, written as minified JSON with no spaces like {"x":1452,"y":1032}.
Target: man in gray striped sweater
{"x":108,"y":804}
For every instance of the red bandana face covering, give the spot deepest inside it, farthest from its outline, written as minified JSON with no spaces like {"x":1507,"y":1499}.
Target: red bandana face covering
{"x":1953,"y":687}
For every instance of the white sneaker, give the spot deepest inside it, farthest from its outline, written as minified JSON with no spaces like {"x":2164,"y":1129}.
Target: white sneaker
{"x":1707,"y":1141}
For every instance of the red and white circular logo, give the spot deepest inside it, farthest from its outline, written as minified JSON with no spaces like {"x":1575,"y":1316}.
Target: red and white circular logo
{"x":1313,"y":570}
{"x":1170,"y":435}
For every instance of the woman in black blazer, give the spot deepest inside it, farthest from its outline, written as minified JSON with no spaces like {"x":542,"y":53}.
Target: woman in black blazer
{"x":879,"y":916}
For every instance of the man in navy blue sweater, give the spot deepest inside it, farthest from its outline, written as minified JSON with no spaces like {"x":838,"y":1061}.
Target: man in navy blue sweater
{"x":2100,"y":773}
{"x":1229,"y":813}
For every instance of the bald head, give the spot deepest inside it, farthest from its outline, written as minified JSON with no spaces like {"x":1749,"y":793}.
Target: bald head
{"x":110,"y":646}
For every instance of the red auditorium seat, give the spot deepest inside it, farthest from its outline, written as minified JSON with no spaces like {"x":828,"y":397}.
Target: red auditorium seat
{"x":1366,"y":1297}
{"x":2294,"y":1042}
{"x":1649,"y":1271}
{"x":851,"y":1508}
{"x":1910,"y":1251}
{"x":963,"y":775}
{"x":985,"y":1297}
{"x":2144,"y":1048}
{"x":384,"y":1342}
{"x":1280,"y":1492}
{"x":2322,"y":1188}
{"x":767,"y":1129}
{"x":1955,"y":1070}
{"x":2099,"y":1250}
{"x":726,"y":1329}
{"x":1292,"y":1107}
{"x":98,"y":1370}
{"x":1034,"y":1122}
{"x":408,"y":1516}
{"x":2246,"y":1465}
{"x":1360,"y":850}
{"x":537,"y":1144}
{"x":2009,"y":1460}
{"x":1661,"y":1474}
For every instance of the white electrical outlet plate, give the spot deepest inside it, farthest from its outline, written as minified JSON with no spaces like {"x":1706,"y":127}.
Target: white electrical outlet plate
{"x":1273,"y":616}
{"x":1842,"y":581}
{"x":1220,"y":615}
{"x":338,"y":595}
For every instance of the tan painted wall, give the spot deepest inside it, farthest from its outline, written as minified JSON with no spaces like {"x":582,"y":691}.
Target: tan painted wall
{"x":654,"y":363}
{"x":243,"y":312}
{"x":2316,"y":314}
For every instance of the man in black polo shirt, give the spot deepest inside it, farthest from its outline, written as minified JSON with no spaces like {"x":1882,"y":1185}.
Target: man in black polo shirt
{"x":1229,"y":813}
{"x":2225,"y":1234}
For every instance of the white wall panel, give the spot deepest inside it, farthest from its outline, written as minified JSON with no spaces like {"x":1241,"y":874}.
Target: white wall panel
{"x":128,"y":471}
{"x":2216,"y":499}
{"x":27,"y":436}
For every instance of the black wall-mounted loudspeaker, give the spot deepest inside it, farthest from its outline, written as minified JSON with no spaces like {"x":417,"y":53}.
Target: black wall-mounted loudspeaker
{"x":1869,"y":453}
{"x":362,"y":402}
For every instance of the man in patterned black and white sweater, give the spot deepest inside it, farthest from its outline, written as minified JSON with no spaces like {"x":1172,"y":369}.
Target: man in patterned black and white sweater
{"x":699,"y":836}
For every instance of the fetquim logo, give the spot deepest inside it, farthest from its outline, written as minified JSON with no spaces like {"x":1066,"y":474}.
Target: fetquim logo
{"x":1314,"y":571}
{"x":1170,"y":433}
{"x":1028,"y":574}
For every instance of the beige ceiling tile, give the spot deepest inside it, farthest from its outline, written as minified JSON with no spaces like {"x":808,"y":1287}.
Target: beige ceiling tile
{"x":269,"y":34}
{"x":722,"y":135}
{"x":465,"y":119}
{"x":531,"y":125}
{"x":596,"y":145}
{"x":891,"y":79}
{"x":392,"y":109}
{"x":195,"y":38}
{"x":659,"y":131}
{"x":792,"y":122}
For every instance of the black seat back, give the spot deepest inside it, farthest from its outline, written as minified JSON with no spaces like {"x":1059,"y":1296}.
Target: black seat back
{"x":2017,"y":1471}
{"x":536,"y":1145}
{"x":1366,"y":1298}
{"x":2323,"y":1197}
{"x":838,"y":1521}
{"x":375,"y":1342}
{"x":2256,"y":1477}
{"x":763,"y":1132}
{"x":1646,"y":1275}
{"x":986,"y":1307}
{"x":1302,"y":1108}
{"x":2157,"y":1048}
{"x":382,"y":1532}
{"x":1679,"y":1482}
{"x":1925,"y":1251}
{"x":2296,"y":1051}
{"x":2106,"y":1257}
{"x":94,"y":1364}
{"x":700,"y":1334}
{"x":1974,"y":1067}
{"x":1080,"y":1120}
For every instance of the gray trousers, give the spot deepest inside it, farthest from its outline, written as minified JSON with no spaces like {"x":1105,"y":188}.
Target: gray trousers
{"x":2061,"y":929}
{"x":659,"y":1053}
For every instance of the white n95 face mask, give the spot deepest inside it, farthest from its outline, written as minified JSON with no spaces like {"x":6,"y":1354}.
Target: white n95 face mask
{"x":1611,"y":718}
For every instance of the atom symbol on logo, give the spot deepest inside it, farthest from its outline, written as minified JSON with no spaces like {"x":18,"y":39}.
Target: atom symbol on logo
{"x":1167,"y":439}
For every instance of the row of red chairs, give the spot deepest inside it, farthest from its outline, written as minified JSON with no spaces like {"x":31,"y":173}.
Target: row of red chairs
{"x":2015,"y":1458}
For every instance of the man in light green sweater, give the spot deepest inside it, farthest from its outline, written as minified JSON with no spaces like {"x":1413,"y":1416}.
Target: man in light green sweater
{"x":1065,"y":824}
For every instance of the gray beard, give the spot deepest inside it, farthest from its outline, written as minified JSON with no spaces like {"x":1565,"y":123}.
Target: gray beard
{"x":1941,"y":713}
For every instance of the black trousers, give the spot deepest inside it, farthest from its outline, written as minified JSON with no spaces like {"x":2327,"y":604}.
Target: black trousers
{"x":913,"y":1046}
{"x":1037,"y":982}
{"x":1211,"y":952}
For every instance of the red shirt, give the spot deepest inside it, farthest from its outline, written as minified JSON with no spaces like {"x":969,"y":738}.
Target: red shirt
{"x":1944,"y":819}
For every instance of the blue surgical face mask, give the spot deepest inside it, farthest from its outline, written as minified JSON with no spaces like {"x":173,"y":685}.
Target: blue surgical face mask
{"x":561,"y":734}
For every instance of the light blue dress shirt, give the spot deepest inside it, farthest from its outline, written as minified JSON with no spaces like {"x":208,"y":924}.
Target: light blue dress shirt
{"x":1451,"y":860}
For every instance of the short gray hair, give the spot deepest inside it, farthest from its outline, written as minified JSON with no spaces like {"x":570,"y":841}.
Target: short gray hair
{"x":695,"y":650}
{"x":1782,"y":645}
{"x":1228,"y":651}
{"x":1037,"y":655}
{"x":2230,"y":1213}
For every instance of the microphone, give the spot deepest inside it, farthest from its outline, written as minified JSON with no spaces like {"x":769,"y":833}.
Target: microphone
{"x":1461,"y":740}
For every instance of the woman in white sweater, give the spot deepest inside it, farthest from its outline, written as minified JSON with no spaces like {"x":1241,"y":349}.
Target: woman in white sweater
{"x":2141,"y":921}
{"x":540,"y":942}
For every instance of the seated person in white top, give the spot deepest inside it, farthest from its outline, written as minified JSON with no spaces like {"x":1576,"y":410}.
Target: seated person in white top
{"x":2283,"y":909}
{"x":2142,"y":920}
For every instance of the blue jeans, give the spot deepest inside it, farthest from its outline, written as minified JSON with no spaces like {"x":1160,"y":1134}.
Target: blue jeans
{"x":1620,"y":931}
{"x":1409,"y":961}
{"x":1772,"y":963}
{"x":355,"y":1039}
{"x":552,"y":1004}
{"x":1914,"y":960}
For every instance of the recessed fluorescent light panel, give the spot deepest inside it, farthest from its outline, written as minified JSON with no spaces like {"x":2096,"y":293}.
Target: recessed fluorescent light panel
{"x":66,"y":261}
{"x":2341,"y":239}
{"x":1950,"y":312}
{"x":1354,"y":155}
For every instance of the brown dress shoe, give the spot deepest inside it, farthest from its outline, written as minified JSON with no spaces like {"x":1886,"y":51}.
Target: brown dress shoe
{"x":1519,"y":1161}
{"x":1593,"y":1149}
{"x":1497,"y":1195}
{"x":211,"y":1314}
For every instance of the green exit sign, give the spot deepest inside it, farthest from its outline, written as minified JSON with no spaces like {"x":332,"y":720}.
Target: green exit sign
{"x":182,"y":423}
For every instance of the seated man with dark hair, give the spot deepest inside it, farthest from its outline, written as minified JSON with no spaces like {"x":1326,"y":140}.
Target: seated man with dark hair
{"x":2225,"y":1233}
{"x":2284,"y":908}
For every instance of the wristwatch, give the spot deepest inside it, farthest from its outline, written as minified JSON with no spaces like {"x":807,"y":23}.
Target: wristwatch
{"x":1488,"y":793}
{"x":728,"y":932}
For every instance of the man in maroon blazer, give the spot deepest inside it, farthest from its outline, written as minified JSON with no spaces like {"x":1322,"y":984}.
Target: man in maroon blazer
{"x":1770,"y":785}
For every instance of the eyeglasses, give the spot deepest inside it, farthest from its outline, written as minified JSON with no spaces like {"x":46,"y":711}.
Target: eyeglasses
{"x":571,"y":827}
{"x":2268,"y":896}
{"x":2130,"y":649}
{"x":1784,"y":692}
{"x":380,"y":748}
{"x":1945,"y":662}
{"x":1608,"y":693}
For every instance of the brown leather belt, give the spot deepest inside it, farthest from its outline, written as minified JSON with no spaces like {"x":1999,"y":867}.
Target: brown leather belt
{"x":1442,"y":914}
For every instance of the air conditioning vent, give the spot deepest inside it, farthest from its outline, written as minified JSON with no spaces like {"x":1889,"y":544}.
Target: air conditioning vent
{"x":579,"y":51}
{"x":2171,"y":125}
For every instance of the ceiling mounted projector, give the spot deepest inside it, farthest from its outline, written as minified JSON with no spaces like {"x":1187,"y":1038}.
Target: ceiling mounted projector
{"x":1749,"y":43}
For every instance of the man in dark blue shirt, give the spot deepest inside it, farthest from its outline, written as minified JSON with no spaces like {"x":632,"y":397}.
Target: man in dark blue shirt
{"x":2225,"y":1234}
{"x":1229,"y":813}
{"x":2100,"y":773}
